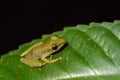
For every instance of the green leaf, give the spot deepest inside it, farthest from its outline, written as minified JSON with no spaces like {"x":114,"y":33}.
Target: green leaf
{"x":92,"y":52}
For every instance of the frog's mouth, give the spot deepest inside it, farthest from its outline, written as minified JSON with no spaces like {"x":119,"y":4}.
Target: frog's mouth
{"x":61,"y":44}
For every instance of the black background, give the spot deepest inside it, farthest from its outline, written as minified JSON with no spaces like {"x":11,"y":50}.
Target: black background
{"x":28,"y":20}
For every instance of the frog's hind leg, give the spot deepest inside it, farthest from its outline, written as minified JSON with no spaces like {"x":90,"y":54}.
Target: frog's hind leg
{"x":31,"y":62}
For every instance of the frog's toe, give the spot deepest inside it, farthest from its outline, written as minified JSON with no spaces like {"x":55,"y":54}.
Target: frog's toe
{"x":60,"y":58}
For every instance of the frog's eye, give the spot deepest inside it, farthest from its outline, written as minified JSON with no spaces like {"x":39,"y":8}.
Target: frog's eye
{"x":54,"y":47}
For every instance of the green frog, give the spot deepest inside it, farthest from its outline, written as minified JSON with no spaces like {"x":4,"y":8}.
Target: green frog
{"x":41,"y":50}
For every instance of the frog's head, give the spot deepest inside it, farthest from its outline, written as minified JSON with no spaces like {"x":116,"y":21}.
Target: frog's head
{"x":56,"y":43}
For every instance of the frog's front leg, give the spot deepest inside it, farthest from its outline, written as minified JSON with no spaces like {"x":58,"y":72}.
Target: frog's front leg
{"x":31,"y":62}
{"x":43,"y":57}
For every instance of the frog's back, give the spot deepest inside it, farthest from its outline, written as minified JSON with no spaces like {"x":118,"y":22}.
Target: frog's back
{"x":31,"y":48}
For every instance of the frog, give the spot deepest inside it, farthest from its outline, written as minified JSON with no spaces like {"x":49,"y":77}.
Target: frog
{"x":42,"y":50}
